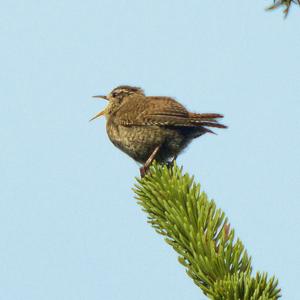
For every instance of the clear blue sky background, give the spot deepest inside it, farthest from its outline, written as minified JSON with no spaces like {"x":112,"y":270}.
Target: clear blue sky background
{"x":69,"y":225}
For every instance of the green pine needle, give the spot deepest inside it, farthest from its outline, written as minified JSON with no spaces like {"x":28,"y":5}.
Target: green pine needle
{"x":201,"y":235}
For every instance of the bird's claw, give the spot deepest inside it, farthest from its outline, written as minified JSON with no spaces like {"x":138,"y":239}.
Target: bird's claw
{"x":143,"y":171}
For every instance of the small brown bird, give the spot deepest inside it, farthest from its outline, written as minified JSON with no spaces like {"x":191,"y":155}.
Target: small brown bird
{"x":150,"y":127}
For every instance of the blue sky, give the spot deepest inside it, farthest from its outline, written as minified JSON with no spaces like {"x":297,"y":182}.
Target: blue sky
{"x":69,"y":225}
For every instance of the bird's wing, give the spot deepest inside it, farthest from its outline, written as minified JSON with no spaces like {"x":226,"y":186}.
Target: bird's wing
{"x":163,"y":111}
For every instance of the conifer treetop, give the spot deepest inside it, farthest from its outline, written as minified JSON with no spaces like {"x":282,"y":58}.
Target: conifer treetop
{"x":201,"y":234}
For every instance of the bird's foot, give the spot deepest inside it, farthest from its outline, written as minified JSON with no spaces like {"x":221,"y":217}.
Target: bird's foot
{"x":171,"y":163}
{"x":143,"y":171}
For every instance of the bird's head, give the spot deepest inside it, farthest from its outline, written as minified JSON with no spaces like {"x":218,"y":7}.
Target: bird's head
{"x":116,"y":97}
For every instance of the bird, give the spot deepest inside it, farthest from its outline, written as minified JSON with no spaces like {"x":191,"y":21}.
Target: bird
{"x":149,"y":128}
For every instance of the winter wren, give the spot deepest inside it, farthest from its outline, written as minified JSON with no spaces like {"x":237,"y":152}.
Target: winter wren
{"x":152,"y":127}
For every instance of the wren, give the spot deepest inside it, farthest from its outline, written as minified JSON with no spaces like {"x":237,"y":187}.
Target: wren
{"x":152,"y":127}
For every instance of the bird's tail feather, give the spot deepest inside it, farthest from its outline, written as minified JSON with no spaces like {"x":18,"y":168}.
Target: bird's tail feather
{"x":207,"y":116}
{"x":207,"y":120}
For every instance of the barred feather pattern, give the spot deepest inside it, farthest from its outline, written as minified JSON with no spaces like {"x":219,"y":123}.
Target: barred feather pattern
{"x":163,"y":111}
{"x":138,"y":124}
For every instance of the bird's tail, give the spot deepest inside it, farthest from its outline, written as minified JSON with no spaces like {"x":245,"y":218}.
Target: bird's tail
{"x":206,"y":120}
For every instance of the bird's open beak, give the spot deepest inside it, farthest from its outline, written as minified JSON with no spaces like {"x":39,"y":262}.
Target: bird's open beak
{"x":100,"y":96}
{"x":101,"y":113}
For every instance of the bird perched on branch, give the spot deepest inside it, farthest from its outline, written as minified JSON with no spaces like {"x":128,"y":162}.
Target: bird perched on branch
{"x":152,"y":127}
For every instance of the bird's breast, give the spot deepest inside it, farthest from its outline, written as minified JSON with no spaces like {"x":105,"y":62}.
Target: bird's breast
{"x":136,"y":141}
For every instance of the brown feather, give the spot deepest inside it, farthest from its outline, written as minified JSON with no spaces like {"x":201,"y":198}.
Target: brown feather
{"x":138,"y":124}
{"x":209,"y":124}
{"x":163,"y":111}
{"x":205,"y":116}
